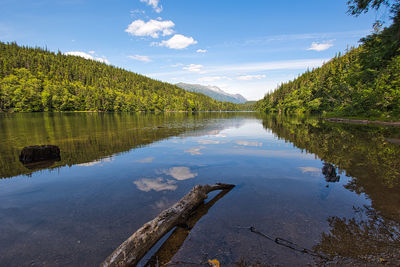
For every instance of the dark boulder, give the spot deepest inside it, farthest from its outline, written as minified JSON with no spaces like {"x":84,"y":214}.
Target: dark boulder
{"x":329,"y":171}
{"x":32,"y":154}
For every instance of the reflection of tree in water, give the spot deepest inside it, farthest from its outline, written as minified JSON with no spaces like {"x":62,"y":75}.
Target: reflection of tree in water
{"x":361,"y":151}
{"x":367,"y":238}
{"x":88,"y":137}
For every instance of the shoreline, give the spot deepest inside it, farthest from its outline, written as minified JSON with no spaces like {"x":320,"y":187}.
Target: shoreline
{"x":361,"y":121}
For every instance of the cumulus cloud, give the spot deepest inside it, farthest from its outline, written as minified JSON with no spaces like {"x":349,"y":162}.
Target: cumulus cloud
{"x":250,"y":77}
{"x":140,"y":58}
{"x":152,"y":28}
{"x":195,"y":150}
{"x":180,"y":173}
{"x":154,"y":4}
{"x":158,"y":184}
{"x":87,"y":56}
{"x":201,"y":50}
{"x":320,"y":46}
{"x":193,"y":67}
{"x":92,"y":52}
{"x":178,"y":41}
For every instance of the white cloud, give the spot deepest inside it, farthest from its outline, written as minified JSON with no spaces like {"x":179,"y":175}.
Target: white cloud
{"x":250,"y":77}
{"x":176,"y":65}
{"x":154,"y":4}
{"x":79,"y":54}
{"x":158,"y":184}
{"x":195,"y":150}
{"x":180,"y":173}
{"x":140,"y":58}
{"x":92,"y":52}
{"x":136,"y":12}
{"x":87,"y":56}
{"x":178,"y":41}
{"x":212,"y":78}
{"x":151,"y":28}
{"x":201,"y":50}
{"x":102,"y":59}
{"x":193,"y":67}
{"x":258,"y":66}
{"x":320,"y":46}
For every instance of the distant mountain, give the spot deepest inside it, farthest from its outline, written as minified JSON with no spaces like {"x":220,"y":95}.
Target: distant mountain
{"x":213,"y":92}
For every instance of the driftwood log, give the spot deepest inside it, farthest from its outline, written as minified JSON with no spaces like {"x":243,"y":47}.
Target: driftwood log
{"x":175,"y":241}
{"x":130,"y":252}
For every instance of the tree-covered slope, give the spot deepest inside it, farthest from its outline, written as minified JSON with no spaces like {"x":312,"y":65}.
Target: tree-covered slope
{"x":365,"y":81}
{"x":213,"y":92}
{"x":33,"y":79}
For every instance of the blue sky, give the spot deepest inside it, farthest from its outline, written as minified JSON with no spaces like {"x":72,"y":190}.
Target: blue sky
{"x":245,"y":47}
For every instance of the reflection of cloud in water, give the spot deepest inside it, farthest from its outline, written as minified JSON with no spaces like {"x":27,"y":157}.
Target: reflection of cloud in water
{"x":180,"y":173}
{"x":208,"y":142}
{"x":158,"y":184}
{"x":195,"y":150}
{"x":311,"y":170}
{"x":96,"y":162}
{"x":145,"y":160}
{"x":162,"y":204}
{"x":248,"y":143}
{"x":220,"y":135}
{"x":265,"y":153}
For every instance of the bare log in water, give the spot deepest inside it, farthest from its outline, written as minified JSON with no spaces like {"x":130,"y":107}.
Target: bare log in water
{"x":137,"y":245}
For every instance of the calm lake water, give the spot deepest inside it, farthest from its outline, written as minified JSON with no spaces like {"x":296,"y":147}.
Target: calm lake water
{"x":118,"y":171}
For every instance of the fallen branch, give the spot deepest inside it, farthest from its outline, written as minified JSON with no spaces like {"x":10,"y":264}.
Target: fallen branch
{"x":174,"y":242}
{"x":137,"y":245}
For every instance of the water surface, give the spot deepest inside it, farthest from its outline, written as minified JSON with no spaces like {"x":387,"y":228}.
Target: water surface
{"x":118,"y":171}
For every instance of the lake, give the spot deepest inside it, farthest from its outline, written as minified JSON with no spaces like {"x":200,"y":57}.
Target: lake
{"x":331,"y":188}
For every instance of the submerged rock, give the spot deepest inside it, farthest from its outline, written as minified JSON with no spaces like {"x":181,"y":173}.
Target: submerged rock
{"x":329,"y":171}
{"x":33,"y":154}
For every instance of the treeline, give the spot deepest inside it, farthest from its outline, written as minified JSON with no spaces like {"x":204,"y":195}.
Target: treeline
{"x":365,"y":81}
{"x":34,"y":79}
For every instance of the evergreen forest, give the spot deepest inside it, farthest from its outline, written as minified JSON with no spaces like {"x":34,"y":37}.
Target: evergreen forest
{"x":34,"y":79}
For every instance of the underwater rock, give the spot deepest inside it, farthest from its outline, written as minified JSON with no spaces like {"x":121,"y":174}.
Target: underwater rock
{"x":329,"y":171}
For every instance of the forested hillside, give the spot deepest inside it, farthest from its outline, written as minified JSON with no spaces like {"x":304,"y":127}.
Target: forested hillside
{"x":34,"y":79}
{"x":365,"y":81}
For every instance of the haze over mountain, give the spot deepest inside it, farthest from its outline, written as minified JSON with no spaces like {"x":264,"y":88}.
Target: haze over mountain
{"x":213,"y":92}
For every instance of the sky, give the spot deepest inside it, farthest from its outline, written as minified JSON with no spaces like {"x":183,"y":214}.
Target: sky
{"x":242,"y":46}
